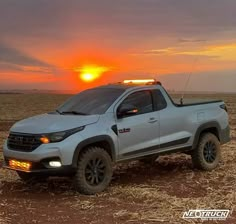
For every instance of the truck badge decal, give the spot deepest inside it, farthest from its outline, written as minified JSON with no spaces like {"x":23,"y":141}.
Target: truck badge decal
{"x":124,"y":130}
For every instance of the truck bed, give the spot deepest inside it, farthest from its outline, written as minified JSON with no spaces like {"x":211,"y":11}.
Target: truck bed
{"x":193,"y":102}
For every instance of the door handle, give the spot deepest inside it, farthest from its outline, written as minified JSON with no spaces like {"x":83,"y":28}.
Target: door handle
{"x":152,"y":120}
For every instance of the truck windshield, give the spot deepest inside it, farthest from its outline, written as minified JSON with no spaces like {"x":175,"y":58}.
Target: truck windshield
{"x":92,"y":101}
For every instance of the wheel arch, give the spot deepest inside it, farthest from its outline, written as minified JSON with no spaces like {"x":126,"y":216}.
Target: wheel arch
{"x":211,"y":127}
{"x":103,"y":141}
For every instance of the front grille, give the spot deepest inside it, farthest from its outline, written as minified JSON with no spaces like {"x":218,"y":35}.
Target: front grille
{"x":23,"y":142}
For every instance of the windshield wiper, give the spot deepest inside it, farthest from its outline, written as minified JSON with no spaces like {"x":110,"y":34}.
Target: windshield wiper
{"x":58,"y":111}
{"x":74,"y":112}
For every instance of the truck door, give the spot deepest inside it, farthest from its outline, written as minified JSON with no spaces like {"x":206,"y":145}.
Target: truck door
{"x":138,"y":133}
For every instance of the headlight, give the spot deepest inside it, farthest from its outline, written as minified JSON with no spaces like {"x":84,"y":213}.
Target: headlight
{"x":59,"y":136}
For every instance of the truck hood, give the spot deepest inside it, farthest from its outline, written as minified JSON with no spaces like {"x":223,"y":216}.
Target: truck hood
{"x":48,"y":123}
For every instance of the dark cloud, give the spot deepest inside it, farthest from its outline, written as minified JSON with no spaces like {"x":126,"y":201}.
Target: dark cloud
{"x":127,"y":25}
{"x":14,"y":56}
{"x":14,"y":60}
{"x":64,"y":19}
{"x":9,"y":67}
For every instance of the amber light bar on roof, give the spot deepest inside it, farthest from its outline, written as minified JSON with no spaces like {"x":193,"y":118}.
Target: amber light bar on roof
{"x":139,"y":81}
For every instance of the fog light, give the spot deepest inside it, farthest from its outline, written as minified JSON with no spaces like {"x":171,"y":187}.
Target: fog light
{"x":55,"y":164}
{"x":14,"y":164}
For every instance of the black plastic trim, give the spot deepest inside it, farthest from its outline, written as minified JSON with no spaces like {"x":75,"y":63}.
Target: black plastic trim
{"x":176,"y":142}
{"x":93,"y":140}
{"x":162,"y":146}
{"x":115,"y":129}
{"x":199,"y":103}
{"x":225,"y":135}
{"x":149,"y":149}
{"x":202,"y":128}
{"x":190,"y":104}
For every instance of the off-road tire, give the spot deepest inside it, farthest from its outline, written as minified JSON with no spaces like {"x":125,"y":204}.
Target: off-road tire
{"x":32,"y":177}
{"x":207,"y":154}
{"x":94,"y":171}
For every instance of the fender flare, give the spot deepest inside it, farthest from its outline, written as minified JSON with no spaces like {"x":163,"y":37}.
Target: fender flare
{"x":201,"y":128}
{"x":94,"y":140}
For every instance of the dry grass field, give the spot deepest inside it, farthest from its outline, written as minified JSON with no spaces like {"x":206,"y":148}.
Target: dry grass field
{"x":138,"y":193}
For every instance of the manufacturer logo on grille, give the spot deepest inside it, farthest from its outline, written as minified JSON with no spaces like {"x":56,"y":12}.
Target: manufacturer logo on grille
{"x":20,"y":139}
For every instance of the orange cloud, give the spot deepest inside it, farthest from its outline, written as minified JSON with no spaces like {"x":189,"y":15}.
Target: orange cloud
{"x":222,"y":51}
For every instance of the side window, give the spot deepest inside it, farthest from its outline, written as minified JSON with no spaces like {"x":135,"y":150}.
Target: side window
{"x":142,"y":100}
{"x":161,"y":102}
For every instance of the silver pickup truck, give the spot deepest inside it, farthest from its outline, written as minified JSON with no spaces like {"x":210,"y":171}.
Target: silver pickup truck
{"x":114,"y":123}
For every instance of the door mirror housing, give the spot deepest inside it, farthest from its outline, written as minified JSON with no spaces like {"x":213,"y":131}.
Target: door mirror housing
{"x":126,"y":110}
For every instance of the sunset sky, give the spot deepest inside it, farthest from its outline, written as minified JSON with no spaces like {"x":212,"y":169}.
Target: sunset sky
{"x":47,"y":44}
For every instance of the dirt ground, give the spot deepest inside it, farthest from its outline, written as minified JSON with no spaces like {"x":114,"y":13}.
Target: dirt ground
{"x":138,"y":193}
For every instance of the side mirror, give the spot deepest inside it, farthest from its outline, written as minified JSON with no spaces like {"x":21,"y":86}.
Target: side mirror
{"x":126,"y":110}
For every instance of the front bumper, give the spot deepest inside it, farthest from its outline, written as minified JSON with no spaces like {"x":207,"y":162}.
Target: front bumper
{"x":61,"y":151}
{"x":42,"y":167}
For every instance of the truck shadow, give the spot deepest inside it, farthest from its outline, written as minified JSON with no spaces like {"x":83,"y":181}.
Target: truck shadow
{"x":165,"y":169}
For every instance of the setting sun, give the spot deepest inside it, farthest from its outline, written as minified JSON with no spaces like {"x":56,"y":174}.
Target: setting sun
{"x":87,"y":77}
{"x":89,"y":73}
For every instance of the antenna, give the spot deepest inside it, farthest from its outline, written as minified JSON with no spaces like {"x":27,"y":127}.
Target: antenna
{"x":189,"y":76}
{"x":188,"y":79}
